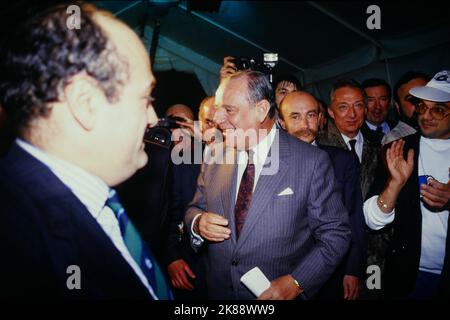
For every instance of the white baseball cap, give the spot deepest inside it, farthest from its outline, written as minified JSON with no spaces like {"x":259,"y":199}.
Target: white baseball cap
{"x":437,"y":89}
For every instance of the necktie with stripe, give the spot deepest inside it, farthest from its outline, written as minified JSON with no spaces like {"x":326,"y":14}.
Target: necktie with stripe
{"x":139,"y":250}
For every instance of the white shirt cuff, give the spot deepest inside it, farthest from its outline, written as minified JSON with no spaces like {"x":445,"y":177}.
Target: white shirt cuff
{"x":196,"y":239}
{"x":375,"y":218}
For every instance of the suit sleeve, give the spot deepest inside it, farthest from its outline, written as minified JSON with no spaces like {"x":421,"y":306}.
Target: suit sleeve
{"x":357,"y":256}
{"x":195,"y":207}
{"x":328,"y":222}
{"x":175,"y":217}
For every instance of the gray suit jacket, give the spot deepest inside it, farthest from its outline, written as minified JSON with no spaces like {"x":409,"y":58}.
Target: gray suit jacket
{"x":304,"y":234}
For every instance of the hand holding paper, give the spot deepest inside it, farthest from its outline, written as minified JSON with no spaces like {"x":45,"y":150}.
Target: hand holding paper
{"x":255,"y":281}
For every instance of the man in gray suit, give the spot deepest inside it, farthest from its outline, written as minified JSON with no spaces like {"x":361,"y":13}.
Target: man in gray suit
{"x":275,"y":206}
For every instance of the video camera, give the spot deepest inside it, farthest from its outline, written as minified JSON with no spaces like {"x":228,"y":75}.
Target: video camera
{"x":269,"y":62}
{"x":160,"y":134}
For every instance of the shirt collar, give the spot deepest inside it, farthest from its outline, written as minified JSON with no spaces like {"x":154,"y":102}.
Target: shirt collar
{"x":374,"y":127}
{"x":359,"y":138}
{"x":261,"y":150}
{"x":89,"y":189}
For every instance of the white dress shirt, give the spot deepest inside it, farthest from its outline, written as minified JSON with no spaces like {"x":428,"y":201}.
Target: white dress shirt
{"x":260,"y":152}
{"x":434,"y":160}
{"x":358,"y":146}
{"x":383,"y":125}
{"x":92,"y":193}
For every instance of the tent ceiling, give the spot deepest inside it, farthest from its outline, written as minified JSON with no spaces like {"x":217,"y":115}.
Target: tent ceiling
{"x":306,"y":35}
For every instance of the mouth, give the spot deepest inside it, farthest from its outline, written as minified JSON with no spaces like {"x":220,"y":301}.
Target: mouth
{"x":427,"y":125}
{"x":352,"y":123}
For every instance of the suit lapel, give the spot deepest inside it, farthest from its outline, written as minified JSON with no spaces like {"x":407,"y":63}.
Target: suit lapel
{"x":267,"y":184}
{"x":227,"y":176}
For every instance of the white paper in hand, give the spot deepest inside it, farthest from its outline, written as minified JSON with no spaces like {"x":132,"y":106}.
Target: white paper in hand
{"x":255,"y":281}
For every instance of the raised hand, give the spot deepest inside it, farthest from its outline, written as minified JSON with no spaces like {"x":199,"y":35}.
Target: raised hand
{"x":399,"y":168}
{"x":228,"y":68}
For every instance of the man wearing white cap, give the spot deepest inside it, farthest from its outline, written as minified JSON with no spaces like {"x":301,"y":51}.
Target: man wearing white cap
{"x":413,"y":193}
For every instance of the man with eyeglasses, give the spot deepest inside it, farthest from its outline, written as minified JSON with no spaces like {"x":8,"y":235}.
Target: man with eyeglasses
{"x":347,"y":110}
{"x":300,"y":116}
{"x":413,"y":194}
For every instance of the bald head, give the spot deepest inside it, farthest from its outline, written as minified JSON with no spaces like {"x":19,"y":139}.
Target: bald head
{"x":180,"y":110}
{"x":300,"y":115}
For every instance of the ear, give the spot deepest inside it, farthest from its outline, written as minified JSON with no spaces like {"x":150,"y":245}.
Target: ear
{"x":321,"y":115}
{"x":80,"y":95}
{"x":262,"y":109}
{"x":282,"y":123}
{"x":330,"y":112}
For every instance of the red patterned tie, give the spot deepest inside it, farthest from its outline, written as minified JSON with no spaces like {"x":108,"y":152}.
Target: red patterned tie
{"x":244,"y":197}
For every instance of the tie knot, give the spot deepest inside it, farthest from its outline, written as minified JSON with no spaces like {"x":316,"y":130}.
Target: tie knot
{"x":352,"y":143}
{"x":250,"y":155}
{"x":380,"y":129}
{"x":113,"y":202}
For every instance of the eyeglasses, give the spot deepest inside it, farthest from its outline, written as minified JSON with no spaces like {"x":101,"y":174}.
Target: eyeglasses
{"x":437,"y":111}
{"x":343,"y":108}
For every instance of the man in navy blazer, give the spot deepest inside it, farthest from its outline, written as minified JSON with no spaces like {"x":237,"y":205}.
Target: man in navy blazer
{"x":300,"y":116}
{"x":79,"y":103}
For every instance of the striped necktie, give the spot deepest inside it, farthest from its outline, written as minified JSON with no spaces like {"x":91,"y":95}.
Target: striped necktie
{"x":139,"y":250}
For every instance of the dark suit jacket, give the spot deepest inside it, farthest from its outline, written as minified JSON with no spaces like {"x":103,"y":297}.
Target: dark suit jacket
{"x":402,"y":261}
{"x":304,"y":233}
{"x":371,"y":149}
{"x":44,"y":229}
{"x":345,"y":167}
{"x":184,"y":183}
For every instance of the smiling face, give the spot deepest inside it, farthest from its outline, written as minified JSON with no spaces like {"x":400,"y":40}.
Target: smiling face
{"x":348,"y":110}
{"x":377,"y":104}
{"x":300,"y":116}
{"x":432,"y":127}
{"x":237,"y":117}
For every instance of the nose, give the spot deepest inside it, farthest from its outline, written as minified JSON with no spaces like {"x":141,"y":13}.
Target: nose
{"x":303,"y":124}
{"x":152,"y":119}
{"x":351,"y":112}
{"x":427,"y":114}
{"x":219,"y":116}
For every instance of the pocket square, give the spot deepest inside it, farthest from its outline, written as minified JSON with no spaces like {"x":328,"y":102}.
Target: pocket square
{"x":286,"y":192}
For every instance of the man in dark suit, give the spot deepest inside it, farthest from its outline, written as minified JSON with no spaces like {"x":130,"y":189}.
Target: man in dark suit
{"x":80,"y":106}
{"x":413,"y":193}
{"x":300,"y":116}
{"x":264,"y":201}
{"x":348,"y":109}
{"x":380,"y":116}
{"x":184,"y":265}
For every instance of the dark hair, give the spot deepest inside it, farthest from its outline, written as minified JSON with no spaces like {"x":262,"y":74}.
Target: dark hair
{"x":343,"y":83}
{"x":375,"y":82}
{"x":407,"y":77}
{"x":259,"y":88}
{"x":287,"y":78}
{"x":42,"y":56}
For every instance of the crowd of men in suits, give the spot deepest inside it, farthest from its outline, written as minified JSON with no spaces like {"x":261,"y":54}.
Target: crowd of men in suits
{"x":308,"y":193}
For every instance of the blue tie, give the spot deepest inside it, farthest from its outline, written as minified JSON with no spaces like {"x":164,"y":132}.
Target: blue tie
{"x":139,"y":250}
